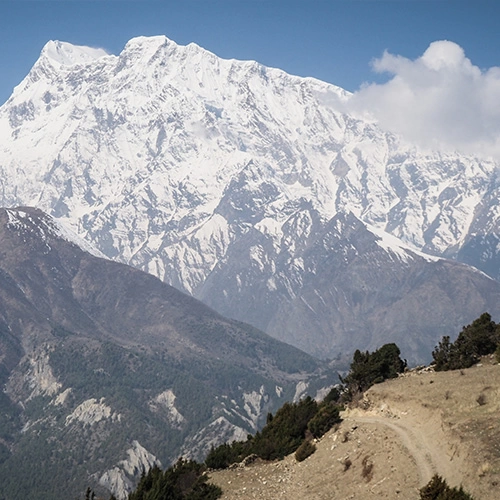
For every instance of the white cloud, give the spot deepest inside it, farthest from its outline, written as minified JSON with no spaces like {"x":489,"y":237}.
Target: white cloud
{"x":439,"y":100}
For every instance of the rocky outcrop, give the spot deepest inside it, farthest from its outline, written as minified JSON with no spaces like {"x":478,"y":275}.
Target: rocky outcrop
{"x":120,"y":479}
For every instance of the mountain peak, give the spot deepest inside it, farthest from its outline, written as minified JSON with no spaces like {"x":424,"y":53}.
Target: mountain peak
{"x":224,"y":178}
{"x":149,"y":40}
{"x":67,"y":54}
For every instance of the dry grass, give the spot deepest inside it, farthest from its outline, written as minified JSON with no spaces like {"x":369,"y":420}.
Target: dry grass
{"x":367,"y":460}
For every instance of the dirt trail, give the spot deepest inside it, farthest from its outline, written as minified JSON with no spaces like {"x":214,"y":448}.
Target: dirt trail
{"x":425,"y":455}
{"x":402,"y":433}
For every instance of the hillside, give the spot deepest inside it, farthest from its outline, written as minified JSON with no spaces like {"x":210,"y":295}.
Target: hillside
{"x":402,"y":432}
{"x":105,"y":369}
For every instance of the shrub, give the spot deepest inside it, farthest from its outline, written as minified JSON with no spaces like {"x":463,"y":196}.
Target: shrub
{"x":475,"y":340}
{"x":371,"y":368}
{"x":326,"y":417}
{"x":438,"y":489}
{"x":306,"y":449}
{"x":347,"y":464}
{"x":367,"y":470}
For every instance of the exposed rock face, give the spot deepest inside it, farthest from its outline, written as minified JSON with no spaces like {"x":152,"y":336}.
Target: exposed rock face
{"x":40,"y":377}
{"x":165,"y":401}
{"x":107,"y":370}
{"x":221,"y":430}
{"x":90,"y":412}
{"x":120,"y":479}
{"x":253,"y":404}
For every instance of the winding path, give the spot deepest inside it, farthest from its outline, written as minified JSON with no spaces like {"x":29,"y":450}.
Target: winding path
{"x":427,"y":456}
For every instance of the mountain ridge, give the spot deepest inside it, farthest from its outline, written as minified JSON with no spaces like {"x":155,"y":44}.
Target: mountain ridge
{"x":183,"y":164}
{"x":106,"y":370}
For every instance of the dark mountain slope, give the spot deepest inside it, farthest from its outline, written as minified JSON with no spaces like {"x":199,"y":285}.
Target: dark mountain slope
{"x":106,"y":369}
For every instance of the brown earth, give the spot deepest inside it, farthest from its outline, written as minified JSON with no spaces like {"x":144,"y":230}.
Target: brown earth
{"x":401,"y":433}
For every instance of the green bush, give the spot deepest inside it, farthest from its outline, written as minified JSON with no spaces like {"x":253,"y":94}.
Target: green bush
{"x":475,"y":340}
{"x":438,"y":489}
{"x":371,"y":368}
{"x":326,"y":417}
{"x":224,"y":455}
{"x":306,"y":449}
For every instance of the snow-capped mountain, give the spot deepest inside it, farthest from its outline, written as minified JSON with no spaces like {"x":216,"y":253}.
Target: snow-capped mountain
{"x":221,"y":176}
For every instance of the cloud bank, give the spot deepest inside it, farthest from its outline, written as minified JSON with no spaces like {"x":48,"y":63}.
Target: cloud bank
{"x":437,"y":101}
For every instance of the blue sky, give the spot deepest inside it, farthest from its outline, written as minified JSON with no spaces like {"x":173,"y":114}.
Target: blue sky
{"x":339,"y":41}
{"x":333,"y":40}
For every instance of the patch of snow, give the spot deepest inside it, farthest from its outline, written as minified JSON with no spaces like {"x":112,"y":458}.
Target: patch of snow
{"x":271,"y":284}
{"x":68,"y":54}
{"x":257,"y":255}
{"x":48,"y":227}
{"x":395,"y":246}
{"x":62,"y":231}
